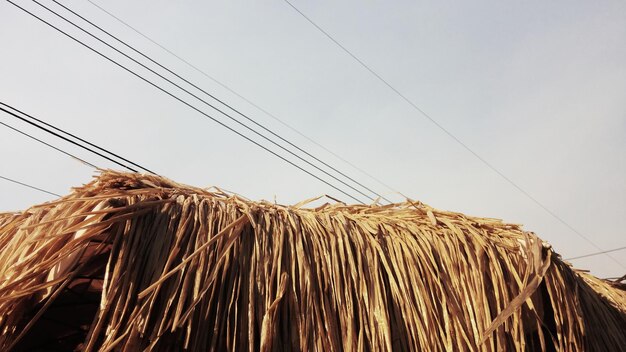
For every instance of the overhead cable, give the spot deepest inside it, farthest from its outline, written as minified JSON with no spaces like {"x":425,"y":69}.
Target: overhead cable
{"x":231,"y":90}
{"x":209,"y":104}
{"x":596,"y":253}
{"x":186,"y":103}
{"x":29,"y":186}
{"x":47,"y":144}
{"x":75,"y":137}
{"x":63,"y":138}
{"x":455,"y":138}
{"x":221,"y":102}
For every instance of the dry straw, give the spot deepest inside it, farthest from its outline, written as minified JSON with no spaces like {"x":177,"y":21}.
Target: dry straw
{"x":135,"y":262}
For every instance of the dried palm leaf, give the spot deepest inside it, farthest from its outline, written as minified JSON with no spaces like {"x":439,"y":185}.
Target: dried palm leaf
{"x":138,"y":262}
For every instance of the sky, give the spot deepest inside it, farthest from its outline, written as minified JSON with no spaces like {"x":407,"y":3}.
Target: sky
{"x":537,"y":89}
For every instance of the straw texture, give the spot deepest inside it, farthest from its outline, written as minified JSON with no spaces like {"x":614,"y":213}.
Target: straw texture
{"x":144,"y":263}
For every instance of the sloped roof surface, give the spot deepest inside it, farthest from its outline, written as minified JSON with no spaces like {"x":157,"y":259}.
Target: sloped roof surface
{"x":176,"y":267}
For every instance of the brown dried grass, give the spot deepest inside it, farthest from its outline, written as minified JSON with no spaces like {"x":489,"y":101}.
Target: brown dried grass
{"x":185,"y":268}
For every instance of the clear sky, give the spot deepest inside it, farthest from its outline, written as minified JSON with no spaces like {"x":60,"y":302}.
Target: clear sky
{"x":537,"y":88}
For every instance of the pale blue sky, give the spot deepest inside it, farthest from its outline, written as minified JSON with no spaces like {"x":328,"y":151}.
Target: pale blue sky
{"x":536,"y":88}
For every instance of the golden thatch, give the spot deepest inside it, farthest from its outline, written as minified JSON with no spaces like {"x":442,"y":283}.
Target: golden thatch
{"x":135,"y":262}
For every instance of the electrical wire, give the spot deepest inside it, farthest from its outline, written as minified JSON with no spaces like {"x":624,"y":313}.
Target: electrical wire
{"x":29,"y":186}
{"x":186,"y":103}
{"x":596,"y":253}
{"x":455,"y":138}
{"x":74,"y":136}
{"x":63,"y":138}
{"x":207,"y":103}
{"x":48,"y":144}
{"x":274,"y":117}
{"x":220,"y":101}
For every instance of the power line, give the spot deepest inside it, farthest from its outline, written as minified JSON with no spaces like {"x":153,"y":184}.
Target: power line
{"x":187,"y":104}
{"x":29,"y":186}
{"x":442,"y":128}
{"x":52,"y":146}
{"x":47,"y":144}
{"x":243,"y":98}
{"x":61,"y":137}
{"x":75,"y":137}
{"x":597,"y":253}
{"x":209,"y":104}
{"x":220,"y":101}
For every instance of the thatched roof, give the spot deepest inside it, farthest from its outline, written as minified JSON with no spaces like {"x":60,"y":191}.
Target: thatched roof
{"x":134,"y":262}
